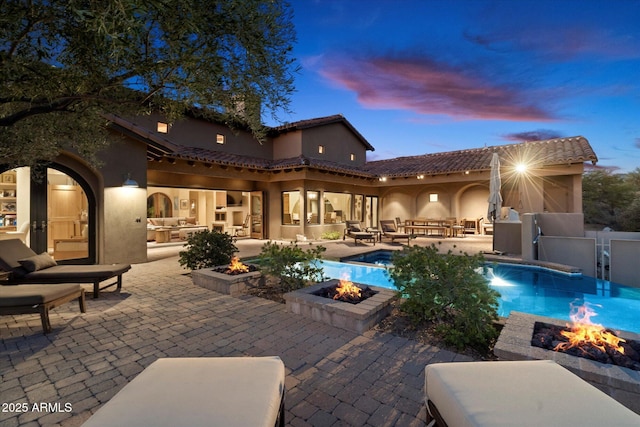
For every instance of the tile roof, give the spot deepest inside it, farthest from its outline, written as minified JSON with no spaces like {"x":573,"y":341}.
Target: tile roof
{"x":536,"y":153}
{"x":549,"y":152}
{"x":322,"y":121}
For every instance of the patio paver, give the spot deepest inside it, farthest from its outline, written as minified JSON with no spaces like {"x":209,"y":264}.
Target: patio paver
{"x":334,"y":377}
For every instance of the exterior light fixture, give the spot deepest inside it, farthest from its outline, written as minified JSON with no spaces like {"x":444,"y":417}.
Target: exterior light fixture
{"x":420,"y":177}
{"x":382,"y":179}
{"x":433,"y":197}
{"x":521,"y":168}
{"x":128,"y":182}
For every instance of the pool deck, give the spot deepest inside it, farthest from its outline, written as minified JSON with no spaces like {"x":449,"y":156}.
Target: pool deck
{"x":333,"y":377}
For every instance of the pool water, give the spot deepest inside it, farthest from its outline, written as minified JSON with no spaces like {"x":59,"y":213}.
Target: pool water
{"x":525,"y":289}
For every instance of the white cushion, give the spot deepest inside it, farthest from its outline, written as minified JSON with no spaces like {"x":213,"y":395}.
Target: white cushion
{"x":218,"y":391}
{"x":522,"y":393}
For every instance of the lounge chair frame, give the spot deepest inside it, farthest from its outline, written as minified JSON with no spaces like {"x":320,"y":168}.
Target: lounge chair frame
{"x":39,"y":293}
{"x":13,"y":249}
{"x":387,"y":224}
{"x":358,"y":235}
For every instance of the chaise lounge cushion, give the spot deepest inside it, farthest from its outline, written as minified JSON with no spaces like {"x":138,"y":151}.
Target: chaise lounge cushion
{"x":522,"y":393}
{"x":25,"y":299}
{"x":37,"y":262}
{"x":11,"y":296}
{"x":14,"y":250}
{"x":207,"y":391}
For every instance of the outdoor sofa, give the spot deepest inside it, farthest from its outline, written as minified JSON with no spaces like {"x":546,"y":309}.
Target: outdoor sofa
{"x":517,"y":393}
{"x":24,"y":299}
{"x":354,"y":230}
{"x":178,"y":227}
{"x":389,"y":230}
{"x":27,"y":267}
{"x":198,"y":392}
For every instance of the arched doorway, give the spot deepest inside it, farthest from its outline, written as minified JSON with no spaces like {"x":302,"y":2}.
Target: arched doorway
{"x":57,"y":209}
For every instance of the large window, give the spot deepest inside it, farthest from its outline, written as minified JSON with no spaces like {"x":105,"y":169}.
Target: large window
{"x":291,"y":207}
{"x":313,"y":207}
{"x":159,"y":206}
{"x":337,"y":207}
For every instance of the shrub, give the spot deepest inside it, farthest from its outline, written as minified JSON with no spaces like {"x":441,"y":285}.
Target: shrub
{"x":447,"y":291}
{"x":290,"y":266}
{"x":331,"y":235}
{"x":207,"y":249}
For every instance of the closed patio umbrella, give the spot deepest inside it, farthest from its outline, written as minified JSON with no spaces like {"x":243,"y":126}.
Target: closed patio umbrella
{"x":495,"y":199}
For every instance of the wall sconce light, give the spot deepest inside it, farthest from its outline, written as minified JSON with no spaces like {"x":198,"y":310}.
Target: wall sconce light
{"x":420,"y":176}
{"x":433,"y":197}
{"x":128,"y":182}
{"x":382,"y":179}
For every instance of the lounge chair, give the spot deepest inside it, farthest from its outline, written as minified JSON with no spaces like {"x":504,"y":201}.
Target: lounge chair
{"x":200,"y":391}
{"x":23,"y":299}
{"x":389,"y":230}
{"x":27,"y":267}
{"x":355,"y":231}
{"x":522,"y":393}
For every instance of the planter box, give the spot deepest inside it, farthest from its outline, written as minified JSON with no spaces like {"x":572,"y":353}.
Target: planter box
{"x":224,"y":283}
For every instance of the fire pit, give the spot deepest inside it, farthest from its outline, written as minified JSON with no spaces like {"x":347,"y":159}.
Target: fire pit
{"x":232,"y":279}
{"x":235,"y":267}
{"x":316,"y":302}
{"x":515,"y":343}
{"x":346,"y":291}
{"x":583,"y":338}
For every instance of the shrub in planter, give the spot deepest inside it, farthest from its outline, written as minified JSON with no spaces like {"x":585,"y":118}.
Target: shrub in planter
{"x":447,"y":291}
{"x":289,"y":266}
{"x":207,"y":249}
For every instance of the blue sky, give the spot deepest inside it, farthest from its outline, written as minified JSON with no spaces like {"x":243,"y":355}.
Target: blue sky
{"x":418,"y":77}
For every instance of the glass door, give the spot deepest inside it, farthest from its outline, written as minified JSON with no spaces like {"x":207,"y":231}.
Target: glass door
{"x":257,"y":220}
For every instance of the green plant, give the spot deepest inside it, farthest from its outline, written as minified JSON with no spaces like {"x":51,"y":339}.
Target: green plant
{"x":290,"y":266}
{"x":447,"y":291}
{"x":331,"y":235}
{"x":207,"y":249}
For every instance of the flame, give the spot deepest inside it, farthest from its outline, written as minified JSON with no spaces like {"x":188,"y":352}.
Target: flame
{"x":585,"y":333}
{"x":347,"y":289}
{"x":238,"y":266}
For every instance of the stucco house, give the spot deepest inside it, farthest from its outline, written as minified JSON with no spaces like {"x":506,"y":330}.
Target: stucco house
{"x":306,"y":178}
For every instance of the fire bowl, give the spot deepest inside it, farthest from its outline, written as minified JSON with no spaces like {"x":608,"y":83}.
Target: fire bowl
{"x":514,"y":343}
{"x":353,"y":317}
{"x":227,"y":284}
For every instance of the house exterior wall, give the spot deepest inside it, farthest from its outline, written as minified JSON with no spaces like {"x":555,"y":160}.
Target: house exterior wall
{"x":122,"y":212}
{"x":202,"y":134}
{"x":339,"y":143}
{"x":288,"y":145}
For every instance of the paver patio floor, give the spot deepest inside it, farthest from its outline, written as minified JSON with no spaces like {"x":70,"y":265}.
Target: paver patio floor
{"x":333,"y":377}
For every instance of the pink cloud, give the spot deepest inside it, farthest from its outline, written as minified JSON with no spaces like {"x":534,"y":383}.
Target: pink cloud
{"x":563,"y":43}
{"x":429,"y":87}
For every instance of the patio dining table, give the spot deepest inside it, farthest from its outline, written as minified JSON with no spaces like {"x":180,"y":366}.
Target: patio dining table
{"x":428,"y":225}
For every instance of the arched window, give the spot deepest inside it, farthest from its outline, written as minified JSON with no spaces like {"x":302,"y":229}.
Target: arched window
{"x":159,"y":206}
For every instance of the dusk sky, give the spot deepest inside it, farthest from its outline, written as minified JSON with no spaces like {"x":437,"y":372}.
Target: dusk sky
{"x":418,"y":77}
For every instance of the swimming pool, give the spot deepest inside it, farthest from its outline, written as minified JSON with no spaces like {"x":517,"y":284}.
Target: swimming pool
{"x":526,"y":289}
